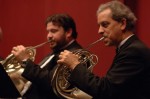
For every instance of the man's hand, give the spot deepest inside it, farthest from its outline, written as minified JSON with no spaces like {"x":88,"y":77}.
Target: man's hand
{"x":69,"y":59}
{"x":20,"y":52}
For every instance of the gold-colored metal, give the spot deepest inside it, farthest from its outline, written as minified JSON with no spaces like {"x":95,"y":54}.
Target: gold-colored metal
{"x":60,"y":84}
{"x":14,"y":68}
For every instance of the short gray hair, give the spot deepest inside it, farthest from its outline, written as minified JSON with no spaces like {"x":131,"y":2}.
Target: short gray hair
{"x":119,"y":11}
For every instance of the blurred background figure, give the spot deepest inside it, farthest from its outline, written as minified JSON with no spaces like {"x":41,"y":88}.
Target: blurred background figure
{"x":0,"y":40}
{"x":0,"y":33}
{"x":7,"y":88}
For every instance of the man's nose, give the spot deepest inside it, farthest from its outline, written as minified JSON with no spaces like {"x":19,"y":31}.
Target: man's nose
{"x":101,"y":30}
{"x":49,"y":35}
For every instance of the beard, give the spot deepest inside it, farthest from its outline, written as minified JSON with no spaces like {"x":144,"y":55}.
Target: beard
{"x":58,"y":45}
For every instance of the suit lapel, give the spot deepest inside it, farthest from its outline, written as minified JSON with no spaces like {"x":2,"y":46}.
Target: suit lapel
{"x":127,"y":43}
{"x":42,"y":62}
{"x":53,"y":62}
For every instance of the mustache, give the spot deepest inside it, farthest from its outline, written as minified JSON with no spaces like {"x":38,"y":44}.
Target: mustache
{"x":105,"y":35}
{"x":50,"y":40}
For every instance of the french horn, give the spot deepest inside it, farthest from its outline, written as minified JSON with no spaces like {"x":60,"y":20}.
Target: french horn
{"x":59,"y":82}
{"x":14,"y":68}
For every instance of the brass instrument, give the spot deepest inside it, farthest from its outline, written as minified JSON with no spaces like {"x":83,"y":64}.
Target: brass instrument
{"x":14,"y":68}
{"x":60,"y":84}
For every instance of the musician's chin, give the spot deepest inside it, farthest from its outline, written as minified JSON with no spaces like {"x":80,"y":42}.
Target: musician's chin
{"x":52,"y":45}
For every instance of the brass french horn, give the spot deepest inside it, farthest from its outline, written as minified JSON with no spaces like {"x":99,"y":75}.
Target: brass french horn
{"x":14,"y":68}
{"x":60,"y":84}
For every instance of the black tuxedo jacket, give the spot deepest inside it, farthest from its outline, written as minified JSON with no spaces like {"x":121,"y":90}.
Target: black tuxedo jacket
{"x":127,"y":78}
{"x":41,"y":78}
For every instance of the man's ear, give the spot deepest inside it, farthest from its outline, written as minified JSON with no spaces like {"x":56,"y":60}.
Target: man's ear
{"x":69,"y":32}
{"x":123,"y":24}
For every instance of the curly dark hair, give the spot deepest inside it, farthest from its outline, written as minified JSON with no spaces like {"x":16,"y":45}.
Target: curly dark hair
{"x":65,"y":21}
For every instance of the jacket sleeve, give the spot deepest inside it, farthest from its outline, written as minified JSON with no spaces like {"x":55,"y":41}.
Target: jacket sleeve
{"x":38,"y":76}
{"x":127,"y":69}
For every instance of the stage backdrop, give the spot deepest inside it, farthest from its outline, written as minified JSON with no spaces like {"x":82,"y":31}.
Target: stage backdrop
{"x":23,"y":22}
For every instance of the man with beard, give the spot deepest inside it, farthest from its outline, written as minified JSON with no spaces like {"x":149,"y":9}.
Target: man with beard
{"x":62,"y":34}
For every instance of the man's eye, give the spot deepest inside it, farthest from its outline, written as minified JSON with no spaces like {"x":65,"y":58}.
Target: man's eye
{"x":105,"y":24}
{"x":54,"y":30}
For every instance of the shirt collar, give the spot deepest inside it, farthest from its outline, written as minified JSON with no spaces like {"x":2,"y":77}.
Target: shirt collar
{"x":68,"y":44}
{"x":123,"y":41}
{"x":58,"y":50}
